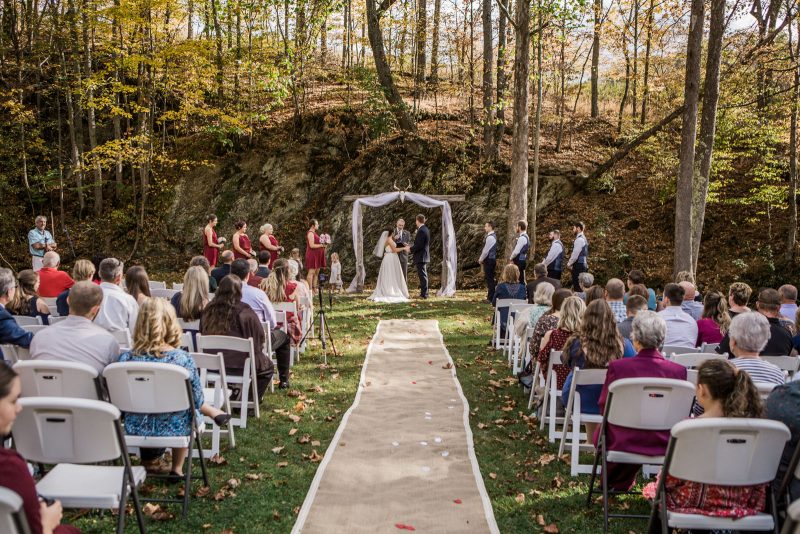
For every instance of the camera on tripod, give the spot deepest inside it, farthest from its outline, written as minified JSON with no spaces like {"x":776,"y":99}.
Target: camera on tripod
{"x":322,"y":277}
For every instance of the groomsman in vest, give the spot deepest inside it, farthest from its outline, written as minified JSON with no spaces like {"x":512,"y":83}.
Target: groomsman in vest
{"x":402,"y":237}
{"x":488,"y":259}
{"x":554,"y":261}
{"x":579,"y":260}
{"x":519,"y":256}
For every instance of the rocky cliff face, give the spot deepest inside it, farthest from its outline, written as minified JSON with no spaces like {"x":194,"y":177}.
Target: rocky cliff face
{"x":286,"y":182}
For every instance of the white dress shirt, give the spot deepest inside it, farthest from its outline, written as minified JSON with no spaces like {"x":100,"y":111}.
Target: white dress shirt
{"x":577,"y":247}
{"x":76,"y":339}
{"x":257,"y":299}
{"x":491,"y":240}
{"x":681,"y":327}
{"x":556,"y":248}
{"x":118,"y":310}
{"x":520,"y":243}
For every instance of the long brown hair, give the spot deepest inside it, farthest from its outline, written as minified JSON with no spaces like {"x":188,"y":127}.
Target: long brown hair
{"x":26,"y":284}
{"x":275,"y":284}
{"x":219,"y":313}
{"x":595,"y":293}
{"x":715,"y":307}
{"x":136,"y":282}
{"x":732,"y":386}
{"x":599,"y":337}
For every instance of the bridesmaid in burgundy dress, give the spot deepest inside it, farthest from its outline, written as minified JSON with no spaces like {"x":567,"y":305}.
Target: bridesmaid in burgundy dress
{"x":241,"y":243}
{"x":315,"y":254}
{"x":268,"y":241}
{"x":211,"y":245}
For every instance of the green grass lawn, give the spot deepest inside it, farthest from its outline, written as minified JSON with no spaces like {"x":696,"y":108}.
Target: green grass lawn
{"x":262,"y":483}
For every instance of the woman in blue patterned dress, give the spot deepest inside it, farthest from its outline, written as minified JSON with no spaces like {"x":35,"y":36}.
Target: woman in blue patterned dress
{"x":158,"y":336}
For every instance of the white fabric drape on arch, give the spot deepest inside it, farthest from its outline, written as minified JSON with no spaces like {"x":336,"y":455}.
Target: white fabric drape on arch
{"x":448,"y":288}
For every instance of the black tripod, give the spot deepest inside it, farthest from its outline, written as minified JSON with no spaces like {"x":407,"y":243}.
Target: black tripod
{"x":324,"y":329}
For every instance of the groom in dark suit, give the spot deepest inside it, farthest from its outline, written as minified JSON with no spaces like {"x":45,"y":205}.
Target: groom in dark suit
{"x":421,"y":254}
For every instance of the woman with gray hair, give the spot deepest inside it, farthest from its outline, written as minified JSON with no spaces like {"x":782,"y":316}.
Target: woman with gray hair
{"x":542,"y":302}
{"x":585,"y":280}
{"x":749,"y":333}
{"x":267,"y":241}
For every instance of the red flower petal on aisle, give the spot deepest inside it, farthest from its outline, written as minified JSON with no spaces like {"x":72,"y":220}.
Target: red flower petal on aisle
{"x":401,"y":526}
{"x":457,"y":501}
{"x":413,"y":382}
{"x":430,"y":362}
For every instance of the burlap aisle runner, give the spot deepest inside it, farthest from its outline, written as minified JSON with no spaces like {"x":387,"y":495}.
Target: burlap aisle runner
{"x":402,"y":458}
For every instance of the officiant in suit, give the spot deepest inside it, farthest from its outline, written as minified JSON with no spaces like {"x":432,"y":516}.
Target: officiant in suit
{"x":402,"y":237}
{"x":420,"y":251}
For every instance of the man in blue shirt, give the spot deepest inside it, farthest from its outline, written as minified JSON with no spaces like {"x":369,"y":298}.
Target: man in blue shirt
{"x":40,"y":241}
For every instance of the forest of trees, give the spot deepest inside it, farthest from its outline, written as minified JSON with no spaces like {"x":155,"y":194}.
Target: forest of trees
{"x":96,"y":94}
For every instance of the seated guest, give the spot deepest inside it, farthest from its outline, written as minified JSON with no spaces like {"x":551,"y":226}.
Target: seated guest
{"x":190,"y":302}
{"x":294,"y":255}
{"x":542,"y":303}
{"x":638,"y":289}
{"x":137,"y":283}
{"x":648,"y":334}
{"x":14,"y":474}
{"x":585,"y":281}
{"x":540,"y":273}
{"x":738,"y":298}
{"x":118,"y":310}
{"x":263,"y":263}
{"x":508,"y":288}
{"x":722,"y":391}
{"x":26,"y":301}
{"x":82,"y":271}
{"x":254,"y":279}
{"x":302,"y":292}
{"x":227,"y":315}
{"x":221,"y":271}
{"x":636,"y":277}
{"x":788,"y":294}
{"x":548,"y":321}
{"x":10,"y":332}
{"x":252,"y":296}
{"x":157,"y":340}
{"x":714,"y":321}
{"x":748,"y":334}
{"x":780,"y":339}
{"x":687,"y":276}
{"x":53,"y":282}
{"x":96,"y":260}
{"x":596,"y":343}
{"x":681,"y":327}
{"x":635,"y":304}
{"x":77,"y":338}
{"x":615,"y":296}
{"x":595,"y":292}
{"x":689,"y":304}
{"x":279,"y":288}
{"x":568,"y":324}
{"x":783,"y":404}
{"x":202,"y":261}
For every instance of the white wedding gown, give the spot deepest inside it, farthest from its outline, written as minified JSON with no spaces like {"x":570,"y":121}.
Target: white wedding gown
{"x":391,"y":286}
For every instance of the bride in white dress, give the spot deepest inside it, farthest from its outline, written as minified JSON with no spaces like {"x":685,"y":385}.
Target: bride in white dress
{"x":391,"y":286}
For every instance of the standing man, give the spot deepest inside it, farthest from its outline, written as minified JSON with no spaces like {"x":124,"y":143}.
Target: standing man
{"x":488,"y":259}
{"x":40,"y":241}
{"x":554,"y":261}
{"x":578,"y":261}
{"x":402,"y":237}
{"x":420,"y":251}
{"x":519,"y":256}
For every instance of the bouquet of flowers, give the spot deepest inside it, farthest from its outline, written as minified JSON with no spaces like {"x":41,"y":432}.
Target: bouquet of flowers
{"x":325,"y":239}
{"x":221,"y":240}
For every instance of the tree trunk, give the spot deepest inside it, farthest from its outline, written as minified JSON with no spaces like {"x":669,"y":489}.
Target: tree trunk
{"x":684,"y":190}
{"x":422,"y":36}
{"x":562,"y":70}
{"x":791,"y":233}
{"x":90,"y":110}
{"x":708,"y":123}
{"x":518,"y":190}
{"x":634,"y":86}
{"x":488,"y":86}
{"x":218,"y":59}
{"x":398,"y":107}
{"x":189,"y":20}
{"x":502,"y":79}
{"x":598,"y":13}
{"x":537,"y":128}
{"x":437,"y":18}
{"x":646,"y":78}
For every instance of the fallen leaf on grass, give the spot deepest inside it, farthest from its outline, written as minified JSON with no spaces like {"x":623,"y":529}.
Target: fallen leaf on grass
{"x":156,"y":513}
{"x":545,"y":459}
{"x":252,"y":476}
{"x":234,"y":482}
{"x":300,"y":407}
{"x":557,"y":481}
{"x":540,"y":520}
{"x":448,"y":365}
{"x":303,"y":440}
{"x":277,"y":450}
{"x":492,"y":372}
{"x":292,"y":432}
{"x":293,"y":393}
{"x":202,"y":491}
{"x":481,"y":426}
{"x":495,"y":384}
{"x":294,"y":418}
{"x":315,"y":443}
{"x":276,"y":515}
{"x":315,"y":456}
{"x":315,"y":389}
{"x":218,"y":460}
{"x":551,"y":529}
{"x":493,"y":476}
{"x":283,"y":464}
{"x":520,"y":498}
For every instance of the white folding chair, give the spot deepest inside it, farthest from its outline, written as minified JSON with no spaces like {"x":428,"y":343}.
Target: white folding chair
{"x":12,"y":515}
{"x":187,"y":343}
{"x":269,"y":353}
{"x":647,"y":404}
{"x":157,"y":388}
{"x":792,"y":472}
{"x":691,"y":376}
{"x":286,"y":308}
{"x":163,"y":293}
{"x":177,"y":287}
{"x":190,"y":331}
{"x":669,"y":350}
{"x":498,"y":342}
{"x":51,"y":305}
{"x":73,"y":433}
{"x":157,"y":285}
{"x":249,"y":387}
{"x":13,"y":353}
{"x":55,"y":319}
{"x":764,"y":388}
{"x":216,"y":393}
{"x":26,"y":320}
{"x":792,"y":524}
{"x":704,"y":450}
{"x":516,"y":312}
{"x":787,"y":364}
{"x":574,"y":416}
{"x":550,"y":401}
{"x":33,"y":328}
{"x":691,"y":360}
{"x":519,"y":351}
{"x":709,"y":347}
{"x":42,"y":378}
{"x":123,"y":337}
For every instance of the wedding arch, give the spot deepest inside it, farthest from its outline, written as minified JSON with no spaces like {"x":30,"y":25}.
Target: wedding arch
{"x":449,"y":259}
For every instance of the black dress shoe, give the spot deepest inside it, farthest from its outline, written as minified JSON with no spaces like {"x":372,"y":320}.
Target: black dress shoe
{"x":283,"y":385}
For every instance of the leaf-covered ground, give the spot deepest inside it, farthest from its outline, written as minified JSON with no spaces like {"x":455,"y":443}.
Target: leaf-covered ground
{"x":261,"y":484}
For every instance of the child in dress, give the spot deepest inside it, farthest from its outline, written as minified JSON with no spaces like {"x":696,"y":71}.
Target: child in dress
{"x":295,"y":255}
{"x":336,"y":273}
